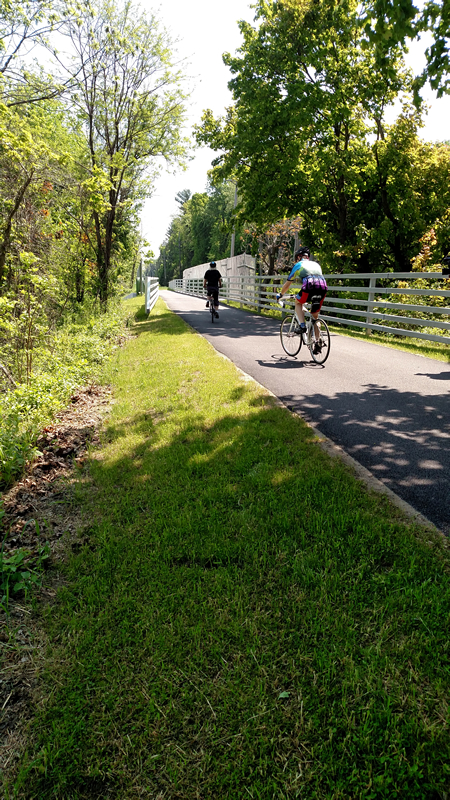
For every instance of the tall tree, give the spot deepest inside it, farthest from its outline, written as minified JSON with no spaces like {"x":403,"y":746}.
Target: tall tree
{"x":27,"y":28}
{"x":301,"y":85}
{"x":307,"y":128}
{"x":201,"y":231}
{"x":390,"y":23}
{"x":131,"y":104}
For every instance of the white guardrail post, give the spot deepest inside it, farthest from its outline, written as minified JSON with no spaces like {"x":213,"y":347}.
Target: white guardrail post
{"x":370,"y":299}
{"x":151,"y":293}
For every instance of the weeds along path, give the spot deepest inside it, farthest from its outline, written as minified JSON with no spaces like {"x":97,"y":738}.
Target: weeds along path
{"x":245,"y":620}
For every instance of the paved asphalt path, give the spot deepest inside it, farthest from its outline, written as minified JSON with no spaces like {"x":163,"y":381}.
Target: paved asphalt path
{"x":388,"y":409}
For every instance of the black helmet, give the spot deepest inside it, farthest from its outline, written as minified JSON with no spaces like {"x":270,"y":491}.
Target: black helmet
{"x":212,"y":264}
{"x":302,"y":251}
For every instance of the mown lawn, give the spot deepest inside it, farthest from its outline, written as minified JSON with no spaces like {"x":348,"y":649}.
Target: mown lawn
{"x":245,"y":620}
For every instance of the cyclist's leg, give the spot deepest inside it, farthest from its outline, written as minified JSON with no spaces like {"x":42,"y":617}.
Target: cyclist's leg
{"x":315,"y":315}
{"x":300,"y":299}
{"x":299,"y":311}
{"x":317,"y":308}
{"x":215,"y":293}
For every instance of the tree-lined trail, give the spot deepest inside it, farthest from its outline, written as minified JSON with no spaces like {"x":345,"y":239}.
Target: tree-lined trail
{"x":387,"y":408}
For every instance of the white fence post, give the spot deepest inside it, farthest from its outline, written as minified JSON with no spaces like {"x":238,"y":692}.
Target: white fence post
{"x":151,"y":293}
{"x":371,"y":298}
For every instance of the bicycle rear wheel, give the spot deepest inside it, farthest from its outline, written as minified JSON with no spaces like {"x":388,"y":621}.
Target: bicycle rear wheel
{"x":291,"y":339}
{"x":212,"y":309}
{"x":322,"y":347}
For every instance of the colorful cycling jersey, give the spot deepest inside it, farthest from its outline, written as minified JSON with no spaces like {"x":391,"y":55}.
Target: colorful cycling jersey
{"x":304,"y":269}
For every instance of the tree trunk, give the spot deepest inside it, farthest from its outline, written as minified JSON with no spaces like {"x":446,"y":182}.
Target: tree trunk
{"x":271,"y":254}
{"x":342,"y":139}
{"x":80,"y":281}
{"x":102,"y":272}
{"x":6,"y":239}
{"x":342,"y":210}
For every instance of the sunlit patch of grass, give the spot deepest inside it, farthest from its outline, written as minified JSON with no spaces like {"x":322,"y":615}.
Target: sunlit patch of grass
{"x":239,"y":624}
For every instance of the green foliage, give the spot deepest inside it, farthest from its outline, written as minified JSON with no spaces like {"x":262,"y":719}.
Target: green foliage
{"x":136,"y":118}
{"x":388,"y":23}
{"x":73,"y":175}
{"x":366,"y":191}
{"x":201,"y":231}
{"x":75,"y":354}
{"x":21,"y":572}
{"x":16,"y":447}
{"x":23,"y":24}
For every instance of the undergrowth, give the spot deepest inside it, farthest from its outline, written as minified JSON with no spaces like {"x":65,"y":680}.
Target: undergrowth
{"x":74,"y":355}
{"x":21,"y":570}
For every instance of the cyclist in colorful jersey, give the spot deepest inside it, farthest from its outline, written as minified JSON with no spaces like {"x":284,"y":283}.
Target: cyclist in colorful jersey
{"x":314,"y":289}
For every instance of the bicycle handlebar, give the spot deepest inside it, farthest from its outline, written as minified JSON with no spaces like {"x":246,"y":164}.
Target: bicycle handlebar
{"x":281,"y":302}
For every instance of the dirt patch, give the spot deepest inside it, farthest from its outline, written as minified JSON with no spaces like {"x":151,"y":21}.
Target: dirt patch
{"x":41,"y":496}
{"x":40,"y":511}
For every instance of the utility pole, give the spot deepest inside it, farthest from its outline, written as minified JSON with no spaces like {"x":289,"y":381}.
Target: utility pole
{"x":164,"y":262}
{"x":233,"y":235}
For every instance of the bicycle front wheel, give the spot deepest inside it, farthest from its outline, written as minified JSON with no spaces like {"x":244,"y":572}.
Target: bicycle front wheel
{"x":320,"y":350}
{"x":291,"y":339}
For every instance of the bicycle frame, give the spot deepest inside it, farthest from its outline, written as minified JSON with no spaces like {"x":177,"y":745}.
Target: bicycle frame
{"x":212,"y":310}
{"x":308,"y":337}
{"x":316,"y":337}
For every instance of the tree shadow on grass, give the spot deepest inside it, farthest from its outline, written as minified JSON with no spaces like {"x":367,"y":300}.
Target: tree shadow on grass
{"x":245,"y":593}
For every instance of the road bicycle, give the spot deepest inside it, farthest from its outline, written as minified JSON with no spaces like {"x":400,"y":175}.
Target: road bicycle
{"x":316,"y":339}
{"x":212,"y":310}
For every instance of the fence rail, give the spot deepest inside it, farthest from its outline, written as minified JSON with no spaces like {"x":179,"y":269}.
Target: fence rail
{"x":151,"y":293}
{"x":341,"y":307}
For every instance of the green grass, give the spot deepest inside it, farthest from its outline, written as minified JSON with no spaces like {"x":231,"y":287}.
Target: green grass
{"x":246,"y":620}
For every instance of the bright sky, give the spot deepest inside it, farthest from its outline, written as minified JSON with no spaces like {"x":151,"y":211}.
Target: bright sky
{"x":205,"y":30}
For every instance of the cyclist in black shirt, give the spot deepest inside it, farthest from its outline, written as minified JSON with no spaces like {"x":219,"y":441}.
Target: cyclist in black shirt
{"x":212,"y":282}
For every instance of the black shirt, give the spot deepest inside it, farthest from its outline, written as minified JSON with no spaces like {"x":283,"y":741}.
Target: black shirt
{"x":212,"y":277}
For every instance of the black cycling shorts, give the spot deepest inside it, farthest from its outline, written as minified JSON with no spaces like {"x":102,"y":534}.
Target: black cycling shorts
{"x":313,"y":291}
{"x":213,"y":291}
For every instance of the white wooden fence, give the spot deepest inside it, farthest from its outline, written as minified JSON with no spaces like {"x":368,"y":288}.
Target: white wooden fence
{"x":375,"y":301}
{"x":151,"y":293}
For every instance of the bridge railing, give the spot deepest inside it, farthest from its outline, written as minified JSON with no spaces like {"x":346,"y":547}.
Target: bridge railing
{"x":372,"y":301}
{"x":151,"y":293}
